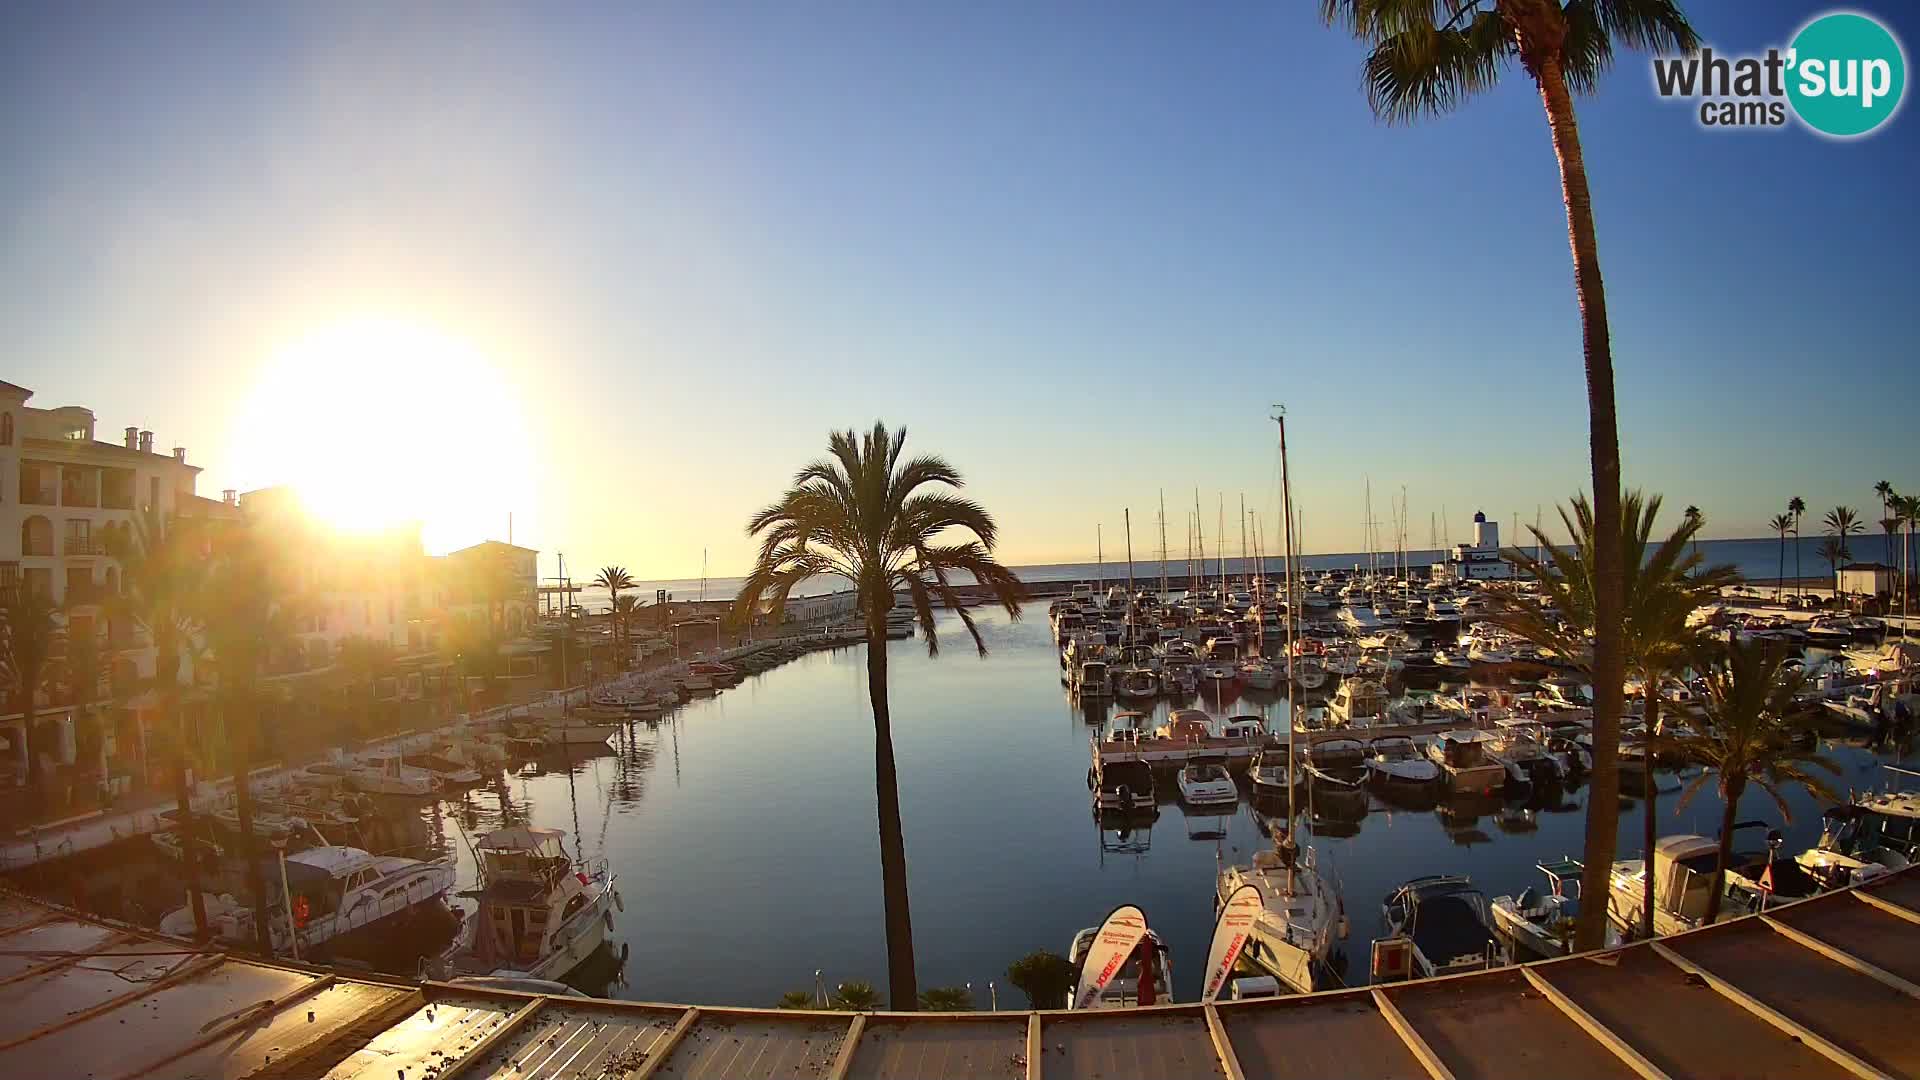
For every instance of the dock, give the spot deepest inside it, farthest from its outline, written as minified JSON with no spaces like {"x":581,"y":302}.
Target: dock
{"x":1828,"y":986}
{"x":1175,"y":753}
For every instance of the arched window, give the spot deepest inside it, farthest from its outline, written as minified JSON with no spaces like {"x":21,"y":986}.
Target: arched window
{"x":36,"y":536}
{"x":6,"y":429}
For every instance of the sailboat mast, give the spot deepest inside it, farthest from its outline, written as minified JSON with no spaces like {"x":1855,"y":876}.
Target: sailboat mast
{"x":1126,"y":515}
{"x":1163,"y":544}
{"x":1200,"y":539}
{"x":1099,"y":562}
{"x":1246,"y":574}
{"x":1293,"y":694}
{"x":1220,"y":544}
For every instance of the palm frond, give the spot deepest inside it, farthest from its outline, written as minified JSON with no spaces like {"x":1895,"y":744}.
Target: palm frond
{"x":1426,"y":72}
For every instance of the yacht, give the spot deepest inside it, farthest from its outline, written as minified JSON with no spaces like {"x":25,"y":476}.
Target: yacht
{"x":1394,"y":759}
{"x":1873,"y":834}
{"x":1300,"y":920}
{"x":541,"y":912}
{"x":1521,"y":750}
{"x":1448,"y":922}
{"x":1137,"y":684}
{"x":1204,"y":781}
{"x":1186,"y":725}
{"x":1359,"y":703}
{"x":1091,"y":679}
{"x":561,"y":729}
{"x":1462,"y":757}
{"x":387,"y":774}
{"x":1243,"y":727}
{"x":1123,"y":991}
{"x":1337,"y":764}
{"x":1121,"y":786}
{"x":1683,"y":867}
{"x":331,"y":892}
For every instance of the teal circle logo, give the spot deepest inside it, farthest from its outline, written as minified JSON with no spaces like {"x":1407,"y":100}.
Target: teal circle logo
{"x":1846,"y":74}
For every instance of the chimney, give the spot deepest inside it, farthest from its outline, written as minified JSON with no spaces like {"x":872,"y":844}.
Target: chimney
{"x":231,"y":496}
{"x":146,"y":442}
{"x":180,"y":454}
{"x":131,"y":437}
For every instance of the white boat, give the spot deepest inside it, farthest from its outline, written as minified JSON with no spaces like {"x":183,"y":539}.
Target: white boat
{"x":560,"y":729}
{"x":1123,"y":991}
{"x":1309,"y":673}
{"x":1091,"y":680}
{"x":1541,"y":924}
{"x":1874,"y":834}
{"x":1394,"y":759}
{"x":541,"y":913}
{"x":1453,"y":663}
{"x":1337,"y":765}
{"x":1358,"y":703}
{"x":1269,"y":772}
{"x":1137,"y":684}
{"x":387,"y":774}
{"x":1683,"y":881}
{"x":1121,"y":786}
{"x":1299,"y":922}
{"x":1243,"y":727}
{"x":335,"y":891}
{"x":1449,"y":924}
{"x":450,"y":763}
{"x":1259,"y":674}
{"x":1204,"y":781}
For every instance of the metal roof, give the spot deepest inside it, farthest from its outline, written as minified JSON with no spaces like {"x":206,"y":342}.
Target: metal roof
{"x":1825,"y":987}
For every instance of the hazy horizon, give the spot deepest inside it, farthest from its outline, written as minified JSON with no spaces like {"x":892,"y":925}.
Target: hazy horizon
{"x":617,"y":271}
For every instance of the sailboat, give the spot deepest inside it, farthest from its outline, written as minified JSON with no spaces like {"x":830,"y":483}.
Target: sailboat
{"x":1294,"y":935}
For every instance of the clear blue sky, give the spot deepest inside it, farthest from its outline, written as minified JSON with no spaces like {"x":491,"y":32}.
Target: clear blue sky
{"x":1078,"y":248}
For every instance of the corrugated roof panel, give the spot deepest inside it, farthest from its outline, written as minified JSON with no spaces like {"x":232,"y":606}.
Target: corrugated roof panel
{"x":1498,"y":1025}
{"x":34,"y":1003}
{"x":934,"y":1048}
{"x":567,"y":1041}
{"x":1863,"y":930}
{"x":1902,"y":889}
{"x":49,"y":941}
{"x":278,"y":1038}
{"x":433,"y":1035}
{"x":1851,"y":1010}
{"x":117,"y":1042}
{"x":1331,"y":1035}
{"x":18,"y":911}
{"x":729,"y":1045}
{"x":1678,"y":1022}
{"x":1102,"y":1044}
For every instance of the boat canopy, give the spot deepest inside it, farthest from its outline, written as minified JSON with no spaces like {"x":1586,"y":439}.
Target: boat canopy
{"x":522,"y":838}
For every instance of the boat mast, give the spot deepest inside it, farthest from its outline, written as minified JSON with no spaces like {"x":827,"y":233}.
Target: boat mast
{"x":1099,"y":563}
{"x":1293,"y":693}
{"x":1200,"y":539}
{"x":1126,"y":515}
{"x":1163,"y":545}
{"x":1220,"y":542}
{"x":1246,"y":576}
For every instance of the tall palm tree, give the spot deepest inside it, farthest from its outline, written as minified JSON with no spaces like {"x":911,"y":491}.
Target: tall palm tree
{"x":1797,"y":506}
{"x":1907,"y":509}
{"x":163,"y":572}
{"x":865,"y":514}
{"x":1665,"y":583}
{"x":1780,"y":523}
{"x":1841,"y":523}
{"x":1884,"y":489}
{"x":615,"y":580}
{"x":625,"y":608}
{"x":1428,"y":58}
{"x":32,"y":631}
{"x":1752,"y":731}
{"x":1694,"y":515}
{"x":247,"y":617}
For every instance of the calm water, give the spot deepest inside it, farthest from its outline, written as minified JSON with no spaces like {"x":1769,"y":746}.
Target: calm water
{"x":743,"y":831}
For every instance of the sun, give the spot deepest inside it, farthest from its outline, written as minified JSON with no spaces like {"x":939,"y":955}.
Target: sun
{"x":379,"y":422}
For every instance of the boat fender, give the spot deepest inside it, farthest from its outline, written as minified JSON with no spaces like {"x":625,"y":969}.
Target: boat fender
{"x":619,"y":903}
{"x":608,"y":916}
{"x":624,"y":950}
{"x":1345,"y":928}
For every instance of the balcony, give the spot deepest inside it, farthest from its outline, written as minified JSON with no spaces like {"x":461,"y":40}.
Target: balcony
{"x":82,"y":545}
{"x":37,"y":494}
{"x":80,"y":495}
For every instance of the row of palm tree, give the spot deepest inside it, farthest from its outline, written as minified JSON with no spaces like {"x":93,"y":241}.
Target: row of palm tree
{"x":1752,"y":728}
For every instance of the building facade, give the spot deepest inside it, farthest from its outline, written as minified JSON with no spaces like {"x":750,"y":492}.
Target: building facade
{"x":1480,"y":560}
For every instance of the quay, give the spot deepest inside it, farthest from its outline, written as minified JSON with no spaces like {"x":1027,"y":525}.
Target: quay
{"x":1823,"y":987}
{"x":1175,"y":753}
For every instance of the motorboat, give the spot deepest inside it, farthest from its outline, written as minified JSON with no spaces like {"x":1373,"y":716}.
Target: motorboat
{"x":1454,"y":664}
{"x":1300,"y":922}
{"x":1464,"y":761}
{"x":1128,"y":726}
{"x":1137,"y":684}
{"x":331,"y":892}
{"x":1336,"y":764}
{"x":1521,"y":750}
{"x":1541,"y":924}
{"x":541,"y":912}
{"x":563,"y":729}
{"x":1683,"y":868}
{"x":1259,"y":674}
{"x":1243,"y":727}
{"x":1448,"y":922}
{"x":1874,"y":834}
{"x":451,"y":764}
{"x":1309,"y":673}
{"x":1358,"y":703}
{"x":1204,"y":781}
{"x":1394,"y":759}
{"x":1121,"y":786}
{"x":1091,"y":679}
{"x":1269,"y":772}
{"x":388,"y":774}
{"x":1123,"y":990}
{"x":1186,"y":725}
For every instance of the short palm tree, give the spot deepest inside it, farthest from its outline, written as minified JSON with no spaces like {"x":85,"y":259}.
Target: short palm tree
{"x":946,"y":999}
{"x":247,"y":618}
{"x":1780,"y":523}
{"x":1831,"y":550}
{"x":163,"y":573}
{"x":1753,"y":730}
{"x":615,"y":580}
{"x":625,"y":609}
{"x":1842,"y":522}
{"x":1797,"y":506}
{"x":1428,"y":58}
{"x":1665,"y":583}
{"x":865,"y":514}
{"x":33,"y":630}
{"x":1907,"y":509}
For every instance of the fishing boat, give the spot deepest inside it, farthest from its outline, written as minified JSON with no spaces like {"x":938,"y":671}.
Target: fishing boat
{"x":541,"y":912}
{"x":330,"y":893}
{"x":1448,"y":922}
{"x":1463,"y":759}
{"x":1204,"y":781}
{"x":1294,"y":936}
{"x":1358,"y":703}
{"x":1395,"y":760}
{"x":1541,"y":924}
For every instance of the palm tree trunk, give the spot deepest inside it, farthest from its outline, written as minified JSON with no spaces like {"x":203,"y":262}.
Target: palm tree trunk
{"x":240,"y":743}
{"x":1603,"y":799}
{"x":901,"y":991}
{"x":1779,"y":583}
{"x":1797,"y":577}
{"x":1732,"y":792}
{"x":1649,"y":819}
{"x":36,"y":788}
